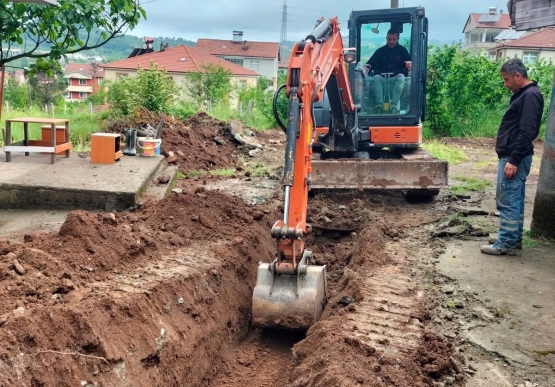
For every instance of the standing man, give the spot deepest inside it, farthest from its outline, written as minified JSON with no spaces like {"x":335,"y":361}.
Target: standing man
{"x":519,"y":128}
{"x":394,"y":62}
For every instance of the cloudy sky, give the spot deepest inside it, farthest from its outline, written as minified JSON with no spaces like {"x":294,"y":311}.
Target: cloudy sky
{"x":261,"y":20}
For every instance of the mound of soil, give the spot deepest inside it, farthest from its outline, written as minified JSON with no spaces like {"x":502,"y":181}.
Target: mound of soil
{"x":201,"y":143}
{"x":89,"y":302}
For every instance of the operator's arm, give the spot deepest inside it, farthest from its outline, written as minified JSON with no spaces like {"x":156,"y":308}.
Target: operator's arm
{"x":405,"y":54}
{"x":373,"y":61}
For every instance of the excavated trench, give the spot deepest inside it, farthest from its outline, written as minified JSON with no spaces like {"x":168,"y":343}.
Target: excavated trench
{"x":162,"y":296}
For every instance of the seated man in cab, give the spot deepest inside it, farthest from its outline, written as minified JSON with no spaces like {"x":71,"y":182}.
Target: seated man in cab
{"x":390,"y":63}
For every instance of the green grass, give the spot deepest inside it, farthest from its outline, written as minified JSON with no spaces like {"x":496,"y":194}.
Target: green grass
{"x":181,"y":175}
{"x":82,"y":124}
{"x":484,"y":224}
{"x":223,"y":172}
{"x":527,"y":239}
{"x":193,"y":174}
{"x":255,"y":168}
{"x":469,"y":183}
{"x":486,"y":164}
{"x":255,"y":119}
{"x":444,"y":152}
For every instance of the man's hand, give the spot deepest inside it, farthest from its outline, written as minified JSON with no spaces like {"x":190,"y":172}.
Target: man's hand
{"x":510,"y":170}
{"x":408,"y":63}
{"x":367,"y":67}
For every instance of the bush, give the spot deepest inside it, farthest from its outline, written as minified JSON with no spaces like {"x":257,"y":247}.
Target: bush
{"x":151,"y":89}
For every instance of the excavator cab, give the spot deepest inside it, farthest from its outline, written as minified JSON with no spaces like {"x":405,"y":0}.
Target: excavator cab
{"x":384,"y":94}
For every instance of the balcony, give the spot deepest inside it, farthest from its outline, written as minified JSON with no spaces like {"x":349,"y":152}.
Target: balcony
{"x":477,"y":46}
{"x":80,"y":89}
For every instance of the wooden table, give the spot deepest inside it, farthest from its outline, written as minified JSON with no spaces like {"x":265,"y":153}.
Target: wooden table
{"x":37,"y":146}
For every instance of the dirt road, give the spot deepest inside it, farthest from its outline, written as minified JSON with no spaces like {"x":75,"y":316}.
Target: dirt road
{"x":161,"y":296}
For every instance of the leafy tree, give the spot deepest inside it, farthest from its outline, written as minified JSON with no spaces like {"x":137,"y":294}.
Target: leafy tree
{"x":474,"y":88}
{"x":212,"y":83}
{"x":542,"y":72}
{"x":60,"y":27}
{"x":151,"y":89}
{"x":440,"y":60}
{"x":16,"y":94}
{"x":46,"y":89}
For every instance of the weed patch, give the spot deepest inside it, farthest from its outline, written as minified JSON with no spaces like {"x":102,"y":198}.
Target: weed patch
{"x":445,"y":152}
{"x":469,"y":183}
{"x":223,"y":172}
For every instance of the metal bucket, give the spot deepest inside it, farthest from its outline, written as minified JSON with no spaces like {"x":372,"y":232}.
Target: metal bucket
{"x":288,"y":301}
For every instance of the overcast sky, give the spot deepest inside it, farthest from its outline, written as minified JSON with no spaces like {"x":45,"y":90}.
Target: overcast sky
{"x":260,"y":20}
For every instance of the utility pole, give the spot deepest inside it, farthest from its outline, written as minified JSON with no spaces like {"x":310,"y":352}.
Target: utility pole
{"x":543,"y":217}
{"x":283,"y":37}
{"x":394,"y":3}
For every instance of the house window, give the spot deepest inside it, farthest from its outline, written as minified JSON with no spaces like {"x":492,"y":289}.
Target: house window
{"x":83,"y":95}
{"x":99,"y":81}
{"x":242,"y":84}
{"x":255,"y":65}
{"x":120,"y":76}
{"x":530,"y":57}
{"x":82,"y":81}
{"x":235,"y":61}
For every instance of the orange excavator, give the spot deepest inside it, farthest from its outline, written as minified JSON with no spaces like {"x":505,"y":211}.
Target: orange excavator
{"x":341,"y":133}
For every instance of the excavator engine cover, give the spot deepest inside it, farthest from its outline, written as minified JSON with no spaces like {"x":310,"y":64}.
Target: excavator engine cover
{"x":288,"y":301}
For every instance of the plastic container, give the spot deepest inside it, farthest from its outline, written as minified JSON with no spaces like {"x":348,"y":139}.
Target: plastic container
{"x":149,"y":147}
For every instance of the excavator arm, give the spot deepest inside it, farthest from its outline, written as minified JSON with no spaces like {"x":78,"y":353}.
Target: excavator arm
{"x":315,"y":64}
{"x":290,"y":293}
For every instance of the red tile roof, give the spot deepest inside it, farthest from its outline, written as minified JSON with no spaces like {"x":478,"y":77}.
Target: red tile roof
{"x":178,"y":59}
{"x":503,"y":23}
{"x":544,"y":38}
{"x":83,"y":68}
{"x":244,"y":48}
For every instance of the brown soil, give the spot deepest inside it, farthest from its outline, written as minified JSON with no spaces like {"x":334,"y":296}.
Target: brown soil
{"x":161,"y":296}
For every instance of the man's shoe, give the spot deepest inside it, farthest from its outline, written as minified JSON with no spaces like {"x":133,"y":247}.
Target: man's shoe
{"x":493,"y":238}
{"x":378,"y":109}
{"x":497,"y":249}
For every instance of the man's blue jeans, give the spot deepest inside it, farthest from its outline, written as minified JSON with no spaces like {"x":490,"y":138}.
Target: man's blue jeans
{"x":510,"y":201}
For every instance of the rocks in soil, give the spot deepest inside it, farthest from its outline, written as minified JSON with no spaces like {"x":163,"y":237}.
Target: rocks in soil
{"x":467,"y":211}
{"x":346,"y":300}
{"x":245,"y":140}
{"x":18,"y":267}
{"x":448,"y":289}
{"x":164,"y":179}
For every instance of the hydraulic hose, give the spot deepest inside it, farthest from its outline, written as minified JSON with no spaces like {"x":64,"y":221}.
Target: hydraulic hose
{"x":274,"y":108}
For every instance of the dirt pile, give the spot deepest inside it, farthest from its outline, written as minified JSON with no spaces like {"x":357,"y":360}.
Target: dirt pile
{"x":117,"y":296}
{"x":201,"y":143}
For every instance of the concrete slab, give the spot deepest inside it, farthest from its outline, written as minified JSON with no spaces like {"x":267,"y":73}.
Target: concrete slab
{"x":74,"y":183}
{"x":522,"y":286}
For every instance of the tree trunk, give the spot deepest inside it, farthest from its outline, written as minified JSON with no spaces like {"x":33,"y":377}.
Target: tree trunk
{"x":543,"y":218}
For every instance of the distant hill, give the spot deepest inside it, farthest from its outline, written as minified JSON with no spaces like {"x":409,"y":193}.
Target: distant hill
{"x":115,"y":49}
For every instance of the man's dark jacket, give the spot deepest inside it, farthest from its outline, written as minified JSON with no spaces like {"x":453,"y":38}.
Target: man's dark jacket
{"x":520,"y":124}
{"x":389,"y":60}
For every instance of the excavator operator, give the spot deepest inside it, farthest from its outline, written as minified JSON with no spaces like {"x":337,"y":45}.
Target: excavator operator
{"x":390,"y":63}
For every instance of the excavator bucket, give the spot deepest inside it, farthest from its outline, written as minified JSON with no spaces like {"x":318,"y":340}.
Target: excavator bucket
{"x":288,"y":301}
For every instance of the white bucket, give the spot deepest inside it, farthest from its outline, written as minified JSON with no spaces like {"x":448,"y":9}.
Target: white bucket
{"x":149,"y":147}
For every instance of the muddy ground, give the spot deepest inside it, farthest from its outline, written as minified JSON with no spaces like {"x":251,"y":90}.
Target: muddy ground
{"x":161,"y":296}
